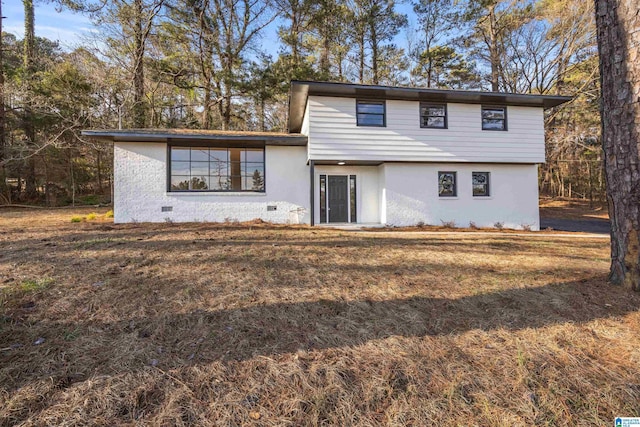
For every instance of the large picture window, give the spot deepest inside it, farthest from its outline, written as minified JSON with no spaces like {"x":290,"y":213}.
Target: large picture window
{"x":447,"y":184}
{"x":433,"y":116}
{"x":371,"y":113}
{"x":494,"y":118}
{"x":216,"y":169}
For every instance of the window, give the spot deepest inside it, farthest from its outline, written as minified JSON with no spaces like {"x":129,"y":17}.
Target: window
{"x":447,"y":184}
{"x":480,"y":183}
{"x":216,"y":169}
{"x":371,"y":113}
{"x":323,"y":198}
{"x":494,"y":118}
{"x":352,"y":197}
{"x":433,"y":116}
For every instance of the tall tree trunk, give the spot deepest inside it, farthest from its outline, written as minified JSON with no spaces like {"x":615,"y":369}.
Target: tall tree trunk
{"x":619,"y":48}
{"x":28,"y":125}
{"x":139,"y":113}
{"x":494,"y":57}
{"x":374,"y":50}
{"x":3,"y":176}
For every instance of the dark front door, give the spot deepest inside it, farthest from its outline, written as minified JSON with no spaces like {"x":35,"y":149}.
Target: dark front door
{"x":338,"y":198}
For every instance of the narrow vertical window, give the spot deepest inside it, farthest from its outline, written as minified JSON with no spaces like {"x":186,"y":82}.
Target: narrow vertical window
{"x":480,"y":182}
{"x":433,"y":116}
{"x":371,"y":113}
{"x":352,"y":197}
{"x":323,"y":198}
{"x":494,"y":118}
{"x":447,"y":184}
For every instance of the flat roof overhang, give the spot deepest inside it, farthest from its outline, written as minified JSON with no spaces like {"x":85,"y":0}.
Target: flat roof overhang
{"x":300,"y":91}
{"x":195,"y":136}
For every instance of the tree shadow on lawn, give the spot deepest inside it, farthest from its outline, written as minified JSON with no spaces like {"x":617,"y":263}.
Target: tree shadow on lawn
{"x":174,"y":340}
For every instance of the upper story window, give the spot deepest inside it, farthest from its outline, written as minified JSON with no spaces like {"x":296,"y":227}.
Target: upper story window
{"x":371,"y":113}
{"x":447,"y":184}
{"x":216,"y":169}
{"x":433,"y":115}
{"x":494,"y":118}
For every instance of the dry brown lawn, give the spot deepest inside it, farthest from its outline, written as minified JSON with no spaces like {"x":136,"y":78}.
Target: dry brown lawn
{"x":204,"y":324}
{"x":572,"y":209}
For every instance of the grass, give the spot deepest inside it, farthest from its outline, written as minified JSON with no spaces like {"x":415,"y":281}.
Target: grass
{"x":219,"y":324}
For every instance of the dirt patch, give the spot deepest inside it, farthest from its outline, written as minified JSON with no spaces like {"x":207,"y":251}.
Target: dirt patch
{"x":576,"y":209}
{"x":235,"y":324}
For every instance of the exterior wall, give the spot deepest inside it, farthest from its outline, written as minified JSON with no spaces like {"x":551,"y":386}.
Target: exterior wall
{"x":333,"y":134}
{"x":140,"y":189}
{"x":367,"y":190}
{"x":410,"y":195}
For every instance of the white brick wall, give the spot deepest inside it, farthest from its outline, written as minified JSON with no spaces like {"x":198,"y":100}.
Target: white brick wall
{"x":141,"y":181}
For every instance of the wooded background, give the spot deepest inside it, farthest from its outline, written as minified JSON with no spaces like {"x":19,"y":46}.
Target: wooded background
{"x":202,"y":64}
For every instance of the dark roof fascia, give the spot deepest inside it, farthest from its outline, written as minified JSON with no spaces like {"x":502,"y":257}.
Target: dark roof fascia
{"x":301,"y":90}
{"x":132,"y":136}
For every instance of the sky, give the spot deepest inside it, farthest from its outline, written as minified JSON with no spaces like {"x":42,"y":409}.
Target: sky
{"x":70,"y":29}
{"x":66,"y":27}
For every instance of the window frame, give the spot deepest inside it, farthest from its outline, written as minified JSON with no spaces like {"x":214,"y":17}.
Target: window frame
{"x":455,"y":184}
{"x":487,"y":184}
{"x":208,"y":146}
{"x":375,"y":102}
{"x":433,"y":104}
{"x":494,"y":107}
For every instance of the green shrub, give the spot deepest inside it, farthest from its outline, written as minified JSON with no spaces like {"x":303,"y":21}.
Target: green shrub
{"x":109,"y":214}
{"x":92,"y":216}
{"x":76,"y":218}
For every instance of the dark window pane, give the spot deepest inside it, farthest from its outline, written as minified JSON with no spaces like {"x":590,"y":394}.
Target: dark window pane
{"x":199,"y":183}
{"x":179,"y":182}
{"x":446,"y":184}
{"x":323,"y":198}
{"x":352,"y":196}
{"x":255,"y":180}
{"x":435,"y":122}
{"x":219,"y":182}
{"x":218,"y":154}
{"x":199,"y":154}
{"x":180,"y":168}
{"x":480,"y":183}
{"x":253,"y":155}
{"x":219,"y":168}
{"x":199,"y":168}
{"x":370,"y":108}
{"x":433,"y":110}
{"x":493,"y":113}
{"x":492,"y":124}
{"x":180,"y":153}
{"x":370,"y":120}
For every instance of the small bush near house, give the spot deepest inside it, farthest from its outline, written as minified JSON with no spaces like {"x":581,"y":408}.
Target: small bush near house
{"x":499,"y":225}
{"x":92,"y":216}
{"x":448,"y":224}
{"x":472,"y":225}
{"x":109,"y":214}
{"x":76,"y":218}
{"x":526,"y":227}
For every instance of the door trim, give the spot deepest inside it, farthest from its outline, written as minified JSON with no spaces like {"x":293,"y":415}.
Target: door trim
{"x":326,"y":197}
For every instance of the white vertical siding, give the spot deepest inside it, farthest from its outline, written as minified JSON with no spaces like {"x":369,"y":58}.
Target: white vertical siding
{"x":333,"y":134}
{"x":141,"y":189}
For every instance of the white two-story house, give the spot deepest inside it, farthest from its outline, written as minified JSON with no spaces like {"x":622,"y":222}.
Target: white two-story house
{"x":353,"y":154}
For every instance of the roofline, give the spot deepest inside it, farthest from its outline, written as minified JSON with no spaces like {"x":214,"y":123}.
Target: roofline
{"x":145,"y":136}
{"x":301,"y":89}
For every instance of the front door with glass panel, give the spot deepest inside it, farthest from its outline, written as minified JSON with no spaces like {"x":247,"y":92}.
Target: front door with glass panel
{"x":337,"y":198}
